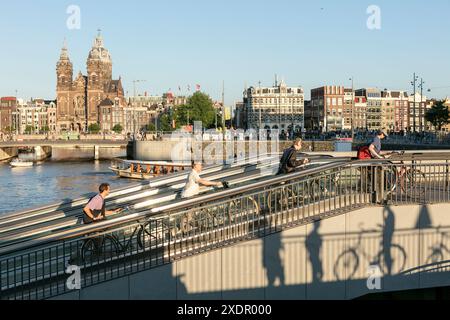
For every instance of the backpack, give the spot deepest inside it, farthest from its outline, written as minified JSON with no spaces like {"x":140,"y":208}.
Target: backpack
{"x":364,"y":153}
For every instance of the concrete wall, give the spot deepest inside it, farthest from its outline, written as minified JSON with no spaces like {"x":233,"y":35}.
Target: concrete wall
{"x":172,"y":150}
{"x":8,"y":153}
{"x":302,"y":263}
{"x":81,"y":152}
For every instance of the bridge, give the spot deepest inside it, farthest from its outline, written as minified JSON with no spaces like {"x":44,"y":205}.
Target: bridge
{"x":337,"y":229}
{"x":43,"y":148}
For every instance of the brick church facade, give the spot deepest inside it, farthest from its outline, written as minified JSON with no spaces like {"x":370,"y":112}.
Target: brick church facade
{"x":79,"y":99}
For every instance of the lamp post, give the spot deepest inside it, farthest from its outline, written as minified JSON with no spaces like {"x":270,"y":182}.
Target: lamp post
{"x":259,"y":105}
{"x":353,"y":107}
{"x":413,"y":83}
{"x":420,"y":105}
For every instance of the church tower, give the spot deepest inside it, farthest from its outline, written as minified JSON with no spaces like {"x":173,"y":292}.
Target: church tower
{"x":64,"y":76}
{"x":99,"y":77}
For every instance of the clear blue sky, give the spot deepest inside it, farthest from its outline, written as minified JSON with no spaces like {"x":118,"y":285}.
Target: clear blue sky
{"x":179,"y":42}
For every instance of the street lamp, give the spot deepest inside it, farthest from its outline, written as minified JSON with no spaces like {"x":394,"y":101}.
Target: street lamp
{"x":353,"y":107}
{"x":413,"y":83}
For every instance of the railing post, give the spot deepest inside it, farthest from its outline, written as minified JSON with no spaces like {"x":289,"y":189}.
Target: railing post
{"x":446,"y":174}
{"x":379,"y":184}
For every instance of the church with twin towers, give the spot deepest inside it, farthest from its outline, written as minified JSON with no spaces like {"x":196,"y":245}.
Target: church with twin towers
{"x":79,"y":98}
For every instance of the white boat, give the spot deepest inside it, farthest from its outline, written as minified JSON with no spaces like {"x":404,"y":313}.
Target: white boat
{"x":145,"y":170}
{"x":21,"y":163}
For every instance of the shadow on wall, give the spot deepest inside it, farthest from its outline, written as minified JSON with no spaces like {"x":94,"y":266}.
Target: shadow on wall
{"x":314,"y":265}
{"x":342,"y":260}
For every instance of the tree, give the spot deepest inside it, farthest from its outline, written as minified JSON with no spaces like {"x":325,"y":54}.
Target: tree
{"x":117,"y":128}
{"x":94,"y":128}
{"x":438,"y":115}
{"x":165,"y":123}
{"x":45,"y":129}
{"x":8,"y":129}
{"x":198,"y":108}
{"x":150,"y":127}
{"x":28,"y":129}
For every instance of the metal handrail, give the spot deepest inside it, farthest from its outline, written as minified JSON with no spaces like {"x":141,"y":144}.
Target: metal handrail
{"x":140,"y":186}
{"x":225,"y":217}
{"x":180,"y":204}
{"x":187,"y":203}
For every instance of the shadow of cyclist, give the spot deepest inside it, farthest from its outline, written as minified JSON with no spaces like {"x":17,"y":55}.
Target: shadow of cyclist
{"x":388,"y":233}
{"x":314,"y":246}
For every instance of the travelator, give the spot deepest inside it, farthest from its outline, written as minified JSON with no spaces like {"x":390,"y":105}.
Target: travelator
{"x":32,"y":224}
{"x":151,"y":237}
{"x":36,"y":222}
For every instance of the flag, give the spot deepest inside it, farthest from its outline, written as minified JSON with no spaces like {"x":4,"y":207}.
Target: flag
{"x":197,"y":87}
{"x":179,"y":88}
{"x":227,"y":115}
{"x":189,"y":87}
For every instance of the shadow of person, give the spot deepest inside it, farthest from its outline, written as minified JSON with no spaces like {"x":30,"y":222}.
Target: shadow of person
{"x":180,"y":286}
{"x":387,"y":235}
{"x":424,"y":219}
{"x":272,"y":259}
{"x":314,"y":246}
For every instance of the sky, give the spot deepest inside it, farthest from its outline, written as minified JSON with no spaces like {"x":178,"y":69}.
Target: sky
{"x":174,"y":43}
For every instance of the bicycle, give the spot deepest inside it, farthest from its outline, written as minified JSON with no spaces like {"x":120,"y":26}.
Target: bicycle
{"x":214,"y":216}
{"x":438,"y":250}
{"x":349,"y":260}
{"x":317,"y":188}
{"x":97,"y":245}
{"x":405,"y":177}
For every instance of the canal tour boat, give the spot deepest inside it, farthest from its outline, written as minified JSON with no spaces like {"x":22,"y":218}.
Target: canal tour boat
{"x":21,"y":163}
{"x":144,"y":170}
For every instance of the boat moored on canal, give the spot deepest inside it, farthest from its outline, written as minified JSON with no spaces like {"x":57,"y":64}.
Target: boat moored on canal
{"x":144,"y":170}
{"x":21,"y":163}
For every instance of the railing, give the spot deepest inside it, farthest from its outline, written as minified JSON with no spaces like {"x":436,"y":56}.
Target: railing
{"x":144,"y":240}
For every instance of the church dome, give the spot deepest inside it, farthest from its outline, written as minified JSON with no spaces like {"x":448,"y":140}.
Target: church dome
{"x":98,"y":51}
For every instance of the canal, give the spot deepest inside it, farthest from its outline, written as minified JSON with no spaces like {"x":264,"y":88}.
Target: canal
{"x":52,"y":181}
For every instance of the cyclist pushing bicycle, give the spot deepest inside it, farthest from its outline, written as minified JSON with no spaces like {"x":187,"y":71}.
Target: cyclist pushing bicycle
{"x":95,"y":209}
{"x":288,"y":161}
{"x":373,"y":150}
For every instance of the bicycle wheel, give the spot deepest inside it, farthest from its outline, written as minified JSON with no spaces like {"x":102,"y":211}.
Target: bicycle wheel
{"x":391,"y":179}
{"x":346,"y":265}
{"x":321,"y":188}
{"x":435,"y":257}
{"x":241,"y":206}
{"x":144,"y":235}
{"x":415,"y":180}
{"x":89,"y":250}
{"x":274,"y":199}
{"x":392,"y":262}
{"x":110,"y":247}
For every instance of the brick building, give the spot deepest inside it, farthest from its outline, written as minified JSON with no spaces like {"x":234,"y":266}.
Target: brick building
{"x":79,"y":99}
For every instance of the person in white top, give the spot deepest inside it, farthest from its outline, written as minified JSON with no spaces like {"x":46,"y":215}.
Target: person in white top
{"x":192,"y":187}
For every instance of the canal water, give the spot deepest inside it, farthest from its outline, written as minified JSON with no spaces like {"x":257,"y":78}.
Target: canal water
{"x":52,"y":181}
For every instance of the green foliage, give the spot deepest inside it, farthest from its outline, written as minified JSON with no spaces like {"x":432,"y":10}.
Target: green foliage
{"x":150,"y":127}
{"x":438,"y":115}
{"x":29,"y":129}
{"x":8,"y":129}
{"x":45,"y":129}
{"x":117,"y":128}
{"x":198,"y":108}
{"x":165,"y":123}
{"x":94,"y":128}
